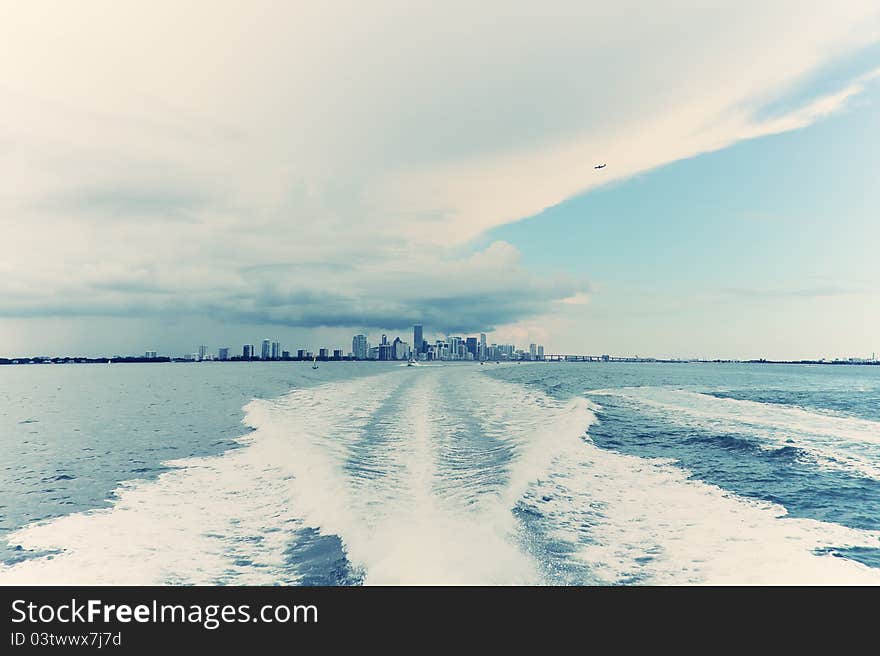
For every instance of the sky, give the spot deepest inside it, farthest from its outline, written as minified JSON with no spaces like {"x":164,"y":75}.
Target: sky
{"x":215,"y":173}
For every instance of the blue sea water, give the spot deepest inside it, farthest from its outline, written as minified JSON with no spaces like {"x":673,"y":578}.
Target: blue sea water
{"x":547,"y":473}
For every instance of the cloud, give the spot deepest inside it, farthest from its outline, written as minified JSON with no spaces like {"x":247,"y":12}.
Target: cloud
{"x":472,"y":293}
{"x":579,"y":298}
{"x":802,"y":292}
{"x":476,"y":292}
{"x":327,"y":164}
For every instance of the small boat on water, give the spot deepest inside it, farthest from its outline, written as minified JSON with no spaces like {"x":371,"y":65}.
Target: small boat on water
{"x":315,"y":363}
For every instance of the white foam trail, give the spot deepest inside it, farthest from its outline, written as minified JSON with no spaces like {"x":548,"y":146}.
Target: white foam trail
{"x":418,"y":534}
{"x":643,"y":520}
{"x":834,"y":442}
{"x":312,"y":462}
{"x":224,"y":519}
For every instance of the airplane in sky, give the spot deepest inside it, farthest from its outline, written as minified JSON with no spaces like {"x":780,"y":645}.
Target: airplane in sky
{"x":600,"y":166}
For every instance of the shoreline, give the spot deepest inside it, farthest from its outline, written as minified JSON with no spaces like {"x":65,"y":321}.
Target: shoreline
{"x":575,"y":359}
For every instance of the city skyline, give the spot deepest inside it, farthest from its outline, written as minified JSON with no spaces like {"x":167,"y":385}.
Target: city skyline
{"x":276,"y":348}
{"x":385,"y":348}
{"x":450,"y":348}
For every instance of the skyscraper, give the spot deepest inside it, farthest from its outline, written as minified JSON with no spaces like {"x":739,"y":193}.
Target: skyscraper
{"x":453,"y":344}
{"x":533,"y":351}
{"x":359,"y":347}
{"x":399,"y":349}
{"x":385,"y":351}
{"x":265,"y":350}
{"x":417,"y":338}
{"x":223,"y":353}
{"x":540,"y":351}
{"x":203,"y":351}
{"x":472,"y":346}
{"x":483,"y":351}
{"x":276,"y":350}
{"x":247,"y":351}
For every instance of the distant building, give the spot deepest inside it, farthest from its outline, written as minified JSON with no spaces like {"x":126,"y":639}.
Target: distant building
{"x":323,"y":353}
{"x":301,"y":354}
{"x":359,"y":347}
{"x":151,"y":355}
{"x":454,"y":349}
{"x":223,"y":353}
{"x":386,"y":351}
{"x":441,"y":350}
{"x":276,"y":350}
{"x":540,"y":351}
{"x":399,"y":349}
{"x":471,"y":345}
{"x":337,"y":354}
{"x":417,"y":338}
{"x":533,"y":351}
{"x":265,"y":351}
{"x":285,"y":355}
{"x":203,"y":351}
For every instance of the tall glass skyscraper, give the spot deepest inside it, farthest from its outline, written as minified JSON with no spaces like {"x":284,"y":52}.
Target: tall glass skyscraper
{"x":417,"y":338}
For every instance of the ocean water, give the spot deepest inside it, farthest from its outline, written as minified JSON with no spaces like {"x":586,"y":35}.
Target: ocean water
{"x":375,"y":473}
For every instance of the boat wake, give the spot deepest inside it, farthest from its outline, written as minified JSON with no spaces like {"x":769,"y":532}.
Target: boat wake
{"x":832,"y":441}
{"x":443,"y":475}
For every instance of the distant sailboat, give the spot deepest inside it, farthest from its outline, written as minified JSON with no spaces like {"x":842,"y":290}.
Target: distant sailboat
{"x":315,"y":363}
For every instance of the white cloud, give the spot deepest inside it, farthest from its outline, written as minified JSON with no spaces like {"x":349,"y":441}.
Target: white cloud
{"x":155,"y":155}
{"x":579,"y":298}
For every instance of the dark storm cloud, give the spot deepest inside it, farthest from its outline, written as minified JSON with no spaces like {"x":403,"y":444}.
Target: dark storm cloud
{"x":479,"y":292}
{"x":460,"y":313}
